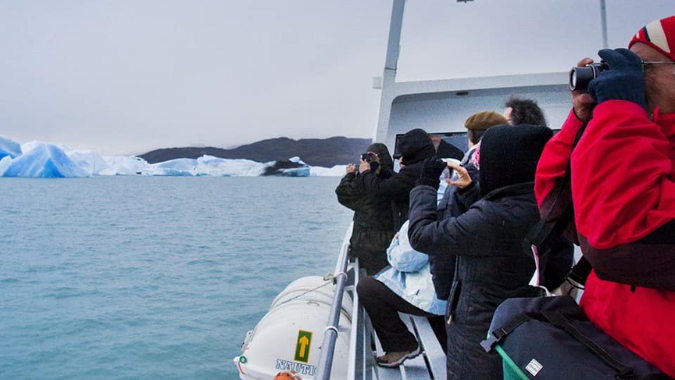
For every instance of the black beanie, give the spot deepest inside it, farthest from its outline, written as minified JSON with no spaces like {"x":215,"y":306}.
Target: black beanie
{"x":416,"y":146}
{"x":509,"y":155}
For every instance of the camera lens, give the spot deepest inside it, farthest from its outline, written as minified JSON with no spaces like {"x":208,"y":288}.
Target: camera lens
{"x":573,"y":79}
{"x":580,"y":77}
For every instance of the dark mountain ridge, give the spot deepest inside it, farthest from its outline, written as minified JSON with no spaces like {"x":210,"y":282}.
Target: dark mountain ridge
{"x":314,"y":152}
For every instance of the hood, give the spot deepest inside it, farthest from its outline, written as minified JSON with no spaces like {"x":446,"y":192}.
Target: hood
{"x":416,"y":146}
{"x":383,"y":154}
{"x":509,"y":155}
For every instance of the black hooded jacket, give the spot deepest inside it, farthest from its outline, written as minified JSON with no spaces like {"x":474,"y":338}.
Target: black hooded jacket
{"x":373,"y":223}
{"x":415,"y":146}
{"x":491,"y":266}
{"x":487,"y":241}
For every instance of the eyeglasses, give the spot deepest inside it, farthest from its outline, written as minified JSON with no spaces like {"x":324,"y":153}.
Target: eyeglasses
{"x":646,"y":64}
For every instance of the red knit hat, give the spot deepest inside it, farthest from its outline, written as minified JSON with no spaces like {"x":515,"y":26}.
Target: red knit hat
{"x":660,"y":35}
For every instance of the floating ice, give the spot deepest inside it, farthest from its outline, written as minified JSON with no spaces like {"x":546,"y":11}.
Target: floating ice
{"x":220,"y":167}
{"x":44,"y":161}
{"x":5,"y":162}
{"x":9,"y":148}
{"x":177,"y":167}
{"x":124,"y":165}
{"x":335,"y":171}
{"x":35,"y":159}
{"x":90,"y":161}
{"x":293,"y":167}
{"x":296,"y":172}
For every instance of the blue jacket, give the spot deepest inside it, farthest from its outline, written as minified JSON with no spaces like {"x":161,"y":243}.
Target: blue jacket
{"x":409,"y":275}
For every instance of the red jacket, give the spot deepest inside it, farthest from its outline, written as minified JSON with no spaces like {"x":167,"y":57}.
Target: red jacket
{"x":623,"y":190}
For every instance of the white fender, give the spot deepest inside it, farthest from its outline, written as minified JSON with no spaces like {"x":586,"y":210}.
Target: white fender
{"x":290,"y":335}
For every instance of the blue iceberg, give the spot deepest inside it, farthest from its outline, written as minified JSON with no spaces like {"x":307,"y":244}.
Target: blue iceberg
{"x":9,"y":148}
{"x":40,"y":160}
{"x":45,"y":161}
{"x":293,"y":167}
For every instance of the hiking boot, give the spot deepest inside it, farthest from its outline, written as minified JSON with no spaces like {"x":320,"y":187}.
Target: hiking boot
{"x":395,"y":359}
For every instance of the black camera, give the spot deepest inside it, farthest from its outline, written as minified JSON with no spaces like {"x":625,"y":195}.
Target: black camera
{"x":580,"y":77}
{"x":367,"y":157}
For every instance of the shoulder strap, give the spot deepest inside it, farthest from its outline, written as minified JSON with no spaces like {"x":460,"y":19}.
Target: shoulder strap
{"x":553,"y":225}
{"x":497,"y":335}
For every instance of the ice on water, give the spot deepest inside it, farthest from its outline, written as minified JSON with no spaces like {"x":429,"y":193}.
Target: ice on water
{"x":44,"y":161}
{"x":9,"y":148}
{"x":40,"y":160}
{"x":124,"y":165}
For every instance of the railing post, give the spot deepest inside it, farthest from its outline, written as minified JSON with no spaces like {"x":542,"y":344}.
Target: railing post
{"x":330,"y":333}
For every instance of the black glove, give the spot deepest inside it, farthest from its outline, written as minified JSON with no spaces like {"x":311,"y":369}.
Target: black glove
{"x":373,"y":166}
{"x":623,"y":81}
{"x":431,"y":170}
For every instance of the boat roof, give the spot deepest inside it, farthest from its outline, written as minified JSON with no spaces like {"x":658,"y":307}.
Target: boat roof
{"x":444,"y":105}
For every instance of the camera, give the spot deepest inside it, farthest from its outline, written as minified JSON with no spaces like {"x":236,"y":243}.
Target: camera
{"x":367,"y":157}
{"x":580,"y":77}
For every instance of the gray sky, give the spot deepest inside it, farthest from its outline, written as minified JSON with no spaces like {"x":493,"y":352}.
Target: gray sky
{"x":129,"y":76}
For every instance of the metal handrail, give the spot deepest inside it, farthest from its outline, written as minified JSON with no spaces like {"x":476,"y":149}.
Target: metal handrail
{"x":330,"y":333}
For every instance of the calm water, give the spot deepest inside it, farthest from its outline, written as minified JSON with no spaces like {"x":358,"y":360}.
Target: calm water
{"x":151,"y":278}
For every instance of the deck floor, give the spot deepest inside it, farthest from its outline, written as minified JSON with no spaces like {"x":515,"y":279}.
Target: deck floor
{"x":428,"y":366}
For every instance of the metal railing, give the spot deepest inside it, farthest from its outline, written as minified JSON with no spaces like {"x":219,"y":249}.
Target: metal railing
{"x":330,"y":333}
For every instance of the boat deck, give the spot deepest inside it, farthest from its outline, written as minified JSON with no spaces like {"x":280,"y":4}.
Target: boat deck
{"x":428,"y":366}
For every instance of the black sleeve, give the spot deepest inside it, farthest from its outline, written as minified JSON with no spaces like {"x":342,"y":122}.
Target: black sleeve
{"x":396,"y":187}
{"x":348,"y":191}
{"x":469,"y":234}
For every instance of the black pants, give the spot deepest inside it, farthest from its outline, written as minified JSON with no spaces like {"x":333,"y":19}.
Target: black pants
{"x":383,"y":306}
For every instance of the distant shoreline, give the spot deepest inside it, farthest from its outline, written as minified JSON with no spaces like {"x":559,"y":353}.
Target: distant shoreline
{"x":326,"y":152}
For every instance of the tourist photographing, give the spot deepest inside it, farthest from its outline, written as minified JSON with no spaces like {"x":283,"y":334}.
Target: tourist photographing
{"x":415,"y":147}
{"x":373,"y":224}
{"x":623,"y":191}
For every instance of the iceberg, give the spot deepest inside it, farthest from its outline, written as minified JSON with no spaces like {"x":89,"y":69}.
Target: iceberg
{"x":293,"y":167}
{"x":124,"y":165}
{"x":39,"y":160}
{"x":335,"y":171}
{"x":44,"y":161}
{"x":177,"y":167}
{"x":5,"y":162}
{"x":90,"y":161}
{"x":205,"y":166}
{"x":9,"y":148}
{"x":220,"y":167}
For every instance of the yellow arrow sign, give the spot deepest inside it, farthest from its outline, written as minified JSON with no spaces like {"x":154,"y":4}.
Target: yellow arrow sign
{"x":303,"y":345}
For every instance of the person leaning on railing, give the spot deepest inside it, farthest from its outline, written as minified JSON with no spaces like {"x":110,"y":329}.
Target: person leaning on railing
{"x":623,"y":191}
